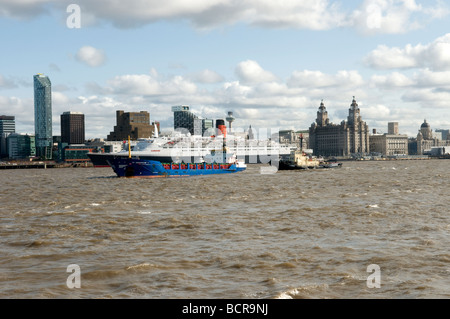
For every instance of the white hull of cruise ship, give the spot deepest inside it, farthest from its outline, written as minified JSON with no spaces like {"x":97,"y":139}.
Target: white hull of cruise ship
{"x":191,"y":149}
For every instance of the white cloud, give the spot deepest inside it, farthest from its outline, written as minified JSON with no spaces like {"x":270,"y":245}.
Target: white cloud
{"x":148,"y":85}
{"x":435,"y":55}
{"x":60,"y":100}
{"x":7,"y":83}
{"x":250,"y":72}
{"x":428,"y":78}
{"x":303,"y":14}
{"x":377,"y":112}
{"x":24,"y":9}
{"x":22,"y":109}
{"x":429,"y":98}
{"x":393,"y":16}
{"x":392,"y":81}
{"x":90,"y":56}
{"x":318,"y":79}
{"x":372,"y":16}
{"x":206,"y":76}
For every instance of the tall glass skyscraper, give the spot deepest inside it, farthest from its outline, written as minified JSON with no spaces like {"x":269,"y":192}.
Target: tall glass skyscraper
{"x":43,"y":116}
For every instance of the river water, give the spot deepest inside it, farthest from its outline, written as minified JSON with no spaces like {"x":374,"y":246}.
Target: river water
{"x":293,"y":234}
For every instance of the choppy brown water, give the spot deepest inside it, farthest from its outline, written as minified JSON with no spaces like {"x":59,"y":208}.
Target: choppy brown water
{"x":301,"y":234}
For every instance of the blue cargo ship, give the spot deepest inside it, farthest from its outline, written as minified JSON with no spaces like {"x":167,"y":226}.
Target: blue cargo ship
{"x":217,"y":162}
{"x":132,"y":167}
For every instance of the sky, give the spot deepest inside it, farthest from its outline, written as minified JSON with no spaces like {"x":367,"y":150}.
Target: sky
{"x":269,"y":62}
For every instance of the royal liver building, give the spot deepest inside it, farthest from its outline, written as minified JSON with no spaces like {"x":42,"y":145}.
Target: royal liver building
{"x":345,"y":139}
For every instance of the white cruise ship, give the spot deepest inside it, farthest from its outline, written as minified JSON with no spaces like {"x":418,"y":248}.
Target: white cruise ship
{"x":177,"y":148}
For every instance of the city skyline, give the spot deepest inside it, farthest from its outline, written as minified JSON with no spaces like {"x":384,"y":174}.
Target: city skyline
{"x":270,"y":63}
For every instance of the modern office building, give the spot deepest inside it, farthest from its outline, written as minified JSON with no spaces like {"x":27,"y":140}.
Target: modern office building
{"x":75,"y":153}
{"x":21,"y":146}
{"x":7,"y":126}
{"x":183,"y":118}
{"x":72,"y":128}
{"x":43,"y":116}
{"x":445,"y":133}
{"x":348,"y":138}
{"x":207,"y":126}
{"x":134,"y":124}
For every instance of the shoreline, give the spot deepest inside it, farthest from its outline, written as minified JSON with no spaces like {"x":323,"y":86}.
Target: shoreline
{"x":41,"y":165}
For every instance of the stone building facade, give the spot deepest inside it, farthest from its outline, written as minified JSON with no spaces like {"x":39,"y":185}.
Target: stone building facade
{"x":426,"y":140}
{"x":345,"y":139}
{"x":391,"y":144}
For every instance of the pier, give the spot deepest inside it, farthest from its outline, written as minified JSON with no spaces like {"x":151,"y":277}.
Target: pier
{"x":41,"y":165}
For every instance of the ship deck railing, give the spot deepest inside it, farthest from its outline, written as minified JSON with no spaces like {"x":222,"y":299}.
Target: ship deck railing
{"x":207,"y":166}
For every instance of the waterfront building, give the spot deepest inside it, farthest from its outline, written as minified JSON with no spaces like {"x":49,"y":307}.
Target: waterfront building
{"x":426,"y":140}
{"x":43,"y":116}
{"x":288,"y":137}
{"x":390,"y":144}
{"x":102,"y":146}
{"x":348,"y":138}
{"x":7,"y":126}
{"x":72,"y":128}
{"x":207,"y":126}
{"x":21,"y":146}
{"x":291,"y":137}
{"x":75,"y":153}
{"x":133,"y":124}
{"x":445,"y":134}
{"x":183,"y":118}
{"x":393,"y":128}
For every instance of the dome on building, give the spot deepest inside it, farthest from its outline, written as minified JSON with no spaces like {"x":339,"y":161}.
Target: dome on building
{"x":425,"y":125}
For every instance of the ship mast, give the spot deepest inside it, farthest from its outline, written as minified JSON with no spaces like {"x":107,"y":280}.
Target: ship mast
{"x":129,"y":147}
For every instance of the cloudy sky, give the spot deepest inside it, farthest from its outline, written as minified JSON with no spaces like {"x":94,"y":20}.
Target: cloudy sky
{"x":270,"y":62}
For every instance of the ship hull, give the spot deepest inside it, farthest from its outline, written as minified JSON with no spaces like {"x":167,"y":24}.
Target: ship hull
{"x":132,"y":167}
{"x":101,"y":159}
{"x":287,"y":166}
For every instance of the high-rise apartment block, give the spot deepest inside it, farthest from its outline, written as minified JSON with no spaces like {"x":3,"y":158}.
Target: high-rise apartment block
{"x":7,"y":127}
{"x":72,"y":128}
{"x":7,"y":124}
{"x":133,"y":124}
{"x":43,"y":116}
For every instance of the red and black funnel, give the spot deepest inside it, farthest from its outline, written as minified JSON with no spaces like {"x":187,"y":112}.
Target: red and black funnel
{"x":221,"y":128}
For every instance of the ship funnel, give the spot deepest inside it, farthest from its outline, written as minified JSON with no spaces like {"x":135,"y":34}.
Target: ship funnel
{"x":221,"y":128}
{"x":155,"y":130}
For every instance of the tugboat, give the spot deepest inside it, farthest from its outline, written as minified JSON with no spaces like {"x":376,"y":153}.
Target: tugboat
{"x":299,"y":159}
